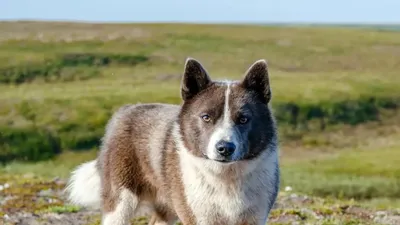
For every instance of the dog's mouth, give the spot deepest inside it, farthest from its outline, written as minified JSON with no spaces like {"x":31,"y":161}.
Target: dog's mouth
{"x":220,"y":160}
{"x":223,"y":161}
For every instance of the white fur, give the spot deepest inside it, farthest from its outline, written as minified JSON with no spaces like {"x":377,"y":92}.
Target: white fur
{"x":124,"y":211}
{"x":129,"y":207}
{"x":209,"y":197}
{"x":155,"y":144}
{"x":224,"y":131}
{"x":84,"y":185}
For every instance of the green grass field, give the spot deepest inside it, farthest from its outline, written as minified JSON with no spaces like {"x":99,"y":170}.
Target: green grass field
{"x":335,"y":94}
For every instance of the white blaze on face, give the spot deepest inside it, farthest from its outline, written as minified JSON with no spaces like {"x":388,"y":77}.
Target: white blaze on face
{"x":224,"y":130}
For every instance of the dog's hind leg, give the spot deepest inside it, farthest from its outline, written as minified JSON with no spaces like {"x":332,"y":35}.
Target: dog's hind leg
{"x":123,"y":208}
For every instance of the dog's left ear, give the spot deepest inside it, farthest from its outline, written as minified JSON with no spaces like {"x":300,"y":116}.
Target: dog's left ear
{"x":257,"y":80}
{"x":195,"y":79}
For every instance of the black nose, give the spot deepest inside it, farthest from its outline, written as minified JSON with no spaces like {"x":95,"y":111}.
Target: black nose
{"x":225,"y":148}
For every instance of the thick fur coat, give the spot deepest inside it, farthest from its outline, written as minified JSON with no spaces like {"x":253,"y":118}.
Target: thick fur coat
{"x":211,"y":160}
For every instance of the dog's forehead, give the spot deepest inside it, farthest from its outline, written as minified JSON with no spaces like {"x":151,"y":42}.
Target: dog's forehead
{"x":216,"y":96}
{"x":239,"y":96}
{"x":212,"y":99}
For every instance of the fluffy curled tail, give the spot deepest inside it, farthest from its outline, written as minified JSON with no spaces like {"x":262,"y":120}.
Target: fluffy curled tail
{"x":84,"y":185}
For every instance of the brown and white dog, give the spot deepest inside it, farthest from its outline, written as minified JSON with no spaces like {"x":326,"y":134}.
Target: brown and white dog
{"x":212,"y":160}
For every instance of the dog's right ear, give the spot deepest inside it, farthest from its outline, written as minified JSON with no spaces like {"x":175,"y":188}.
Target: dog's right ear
{"x":195,"y":79}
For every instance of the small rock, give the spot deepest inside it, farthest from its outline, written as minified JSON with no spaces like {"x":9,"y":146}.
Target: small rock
{"x":6,"y":217}
{"x":388,"y":220}
{"x":380,"y":213}
{"x":4,"y":186}
{"x":293,"y":196}
{"x":309,"y":212}
{"x":46,"y":192}
{"x":54,"y":215}
{"x":58,"y":181}
{"x":52,"y":200}
{"x":26,"y":215}
{"x":288,"y":188}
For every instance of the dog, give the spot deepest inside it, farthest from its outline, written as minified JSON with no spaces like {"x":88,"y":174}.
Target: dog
{"x":211,"y":160}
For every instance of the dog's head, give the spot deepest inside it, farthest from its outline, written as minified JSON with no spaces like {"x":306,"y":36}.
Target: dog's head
{"x":226,"y":121}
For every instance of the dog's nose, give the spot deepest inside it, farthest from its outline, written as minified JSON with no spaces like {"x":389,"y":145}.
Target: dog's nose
{"x":225,"y":148}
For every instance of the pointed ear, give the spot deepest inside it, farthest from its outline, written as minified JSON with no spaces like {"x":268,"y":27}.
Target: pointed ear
{"x":257,"y":80}
{"x":194,"y":80}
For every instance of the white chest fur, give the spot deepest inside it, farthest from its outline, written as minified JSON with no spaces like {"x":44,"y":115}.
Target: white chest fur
{"x":211,"y":199}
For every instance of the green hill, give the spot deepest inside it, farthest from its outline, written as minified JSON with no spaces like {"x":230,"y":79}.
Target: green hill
{"x":65,"y":79}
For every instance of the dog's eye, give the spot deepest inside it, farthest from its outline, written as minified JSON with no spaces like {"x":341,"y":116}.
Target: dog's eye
{"x":206,"y":118}
{"x":243,"y":120}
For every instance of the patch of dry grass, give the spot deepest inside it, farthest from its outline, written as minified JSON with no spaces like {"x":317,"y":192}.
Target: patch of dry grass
{"x":31,"y":200}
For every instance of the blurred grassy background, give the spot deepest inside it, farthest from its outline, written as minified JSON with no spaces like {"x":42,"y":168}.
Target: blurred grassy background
{"x":335,"y":93}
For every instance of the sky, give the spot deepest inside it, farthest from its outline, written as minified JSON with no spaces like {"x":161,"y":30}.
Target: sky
{"x":205,"y":11}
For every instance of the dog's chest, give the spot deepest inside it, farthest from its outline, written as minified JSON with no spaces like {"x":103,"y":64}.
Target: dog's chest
{"x":215,"y":202}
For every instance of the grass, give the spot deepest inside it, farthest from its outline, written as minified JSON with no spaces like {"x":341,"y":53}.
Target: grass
{"x":63,"y":209}
{"x":68,"y":78}
{"x":67,"y":67}
{"x":351,"y":174}
{"x":61,"y":166}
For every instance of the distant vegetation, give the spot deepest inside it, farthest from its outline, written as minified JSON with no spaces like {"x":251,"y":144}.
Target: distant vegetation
{"x":71,"y":66}
{"x":71,"y":77}
{"x":380,"y":27}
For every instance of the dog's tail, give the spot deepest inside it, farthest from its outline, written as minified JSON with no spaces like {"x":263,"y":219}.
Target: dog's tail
{"x":83,"y":187}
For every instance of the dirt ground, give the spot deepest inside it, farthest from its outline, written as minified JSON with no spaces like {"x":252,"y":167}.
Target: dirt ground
{"x":31,"y":201}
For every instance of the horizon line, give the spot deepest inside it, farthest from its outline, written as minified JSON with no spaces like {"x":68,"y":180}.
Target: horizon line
{"x":221,"y":22}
